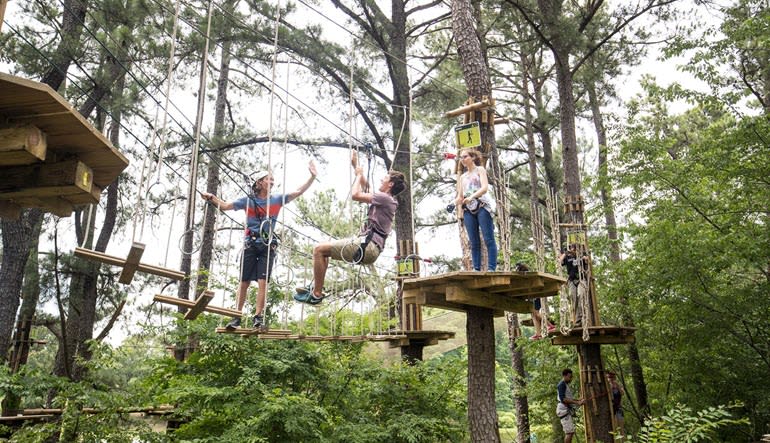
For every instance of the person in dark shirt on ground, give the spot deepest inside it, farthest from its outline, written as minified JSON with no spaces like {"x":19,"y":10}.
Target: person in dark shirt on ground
{"x":577,"y":286}
{"x":566,"y":405}
{"x":617,"y":406}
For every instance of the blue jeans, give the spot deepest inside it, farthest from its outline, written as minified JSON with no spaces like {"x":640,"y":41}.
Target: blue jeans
{"x":482,"y":220}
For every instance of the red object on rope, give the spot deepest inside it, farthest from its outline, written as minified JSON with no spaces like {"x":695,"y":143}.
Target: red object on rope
{"x":450,"y":156}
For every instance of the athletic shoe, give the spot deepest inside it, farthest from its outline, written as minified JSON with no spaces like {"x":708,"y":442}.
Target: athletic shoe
{"x":234,"y":324}
{"x":551,"y":328}
{"x":308,"y":297}
{"x":536,"y":337}
{"x":258,"y":322}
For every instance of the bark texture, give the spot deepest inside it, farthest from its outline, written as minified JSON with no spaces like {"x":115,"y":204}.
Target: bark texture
{"x":17,"y":241}
{"x":608,"y":208}
{"x":482,"y":412}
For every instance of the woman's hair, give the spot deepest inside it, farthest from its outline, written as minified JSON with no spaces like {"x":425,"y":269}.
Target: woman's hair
{"x":475,"y":155}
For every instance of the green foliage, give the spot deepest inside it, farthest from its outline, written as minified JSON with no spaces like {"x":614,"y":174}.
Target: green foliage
{"x":682,"y":425}
{"x":237,"y":389}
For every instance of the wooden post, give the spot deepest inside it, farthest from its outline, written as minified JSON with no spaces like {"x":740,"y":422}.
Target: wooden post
{"x":21,"y":145}
{"x":2,"y":12}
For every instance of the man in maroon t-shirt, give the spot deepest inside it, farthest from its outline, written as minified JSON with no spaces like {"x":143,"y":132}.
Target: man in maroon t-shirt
{"x":379,"y":221}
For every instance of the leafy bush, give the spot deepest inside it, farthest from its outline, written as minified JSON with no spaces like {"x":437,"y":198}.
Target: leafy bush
{"x":682,"y":425}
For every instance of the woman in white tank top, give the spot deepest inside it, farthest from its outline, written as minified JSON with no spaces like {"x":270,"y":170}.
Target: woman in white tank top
{"x":477,"y":208}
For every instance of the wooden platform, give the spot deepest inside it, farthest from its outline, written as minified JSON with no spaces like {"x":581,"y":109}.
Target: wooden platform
{"x":50,"y":156}
{"x":423,"y":338}
{"x":500,"y":291}
{"x":603,"y":335}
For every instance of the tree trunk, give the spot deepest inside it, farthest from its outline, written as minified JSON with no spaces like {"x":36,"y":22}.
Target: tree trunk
{"x":482,"y":412}
{"x":521,"y":401}
{"x":605,"y":191}
{"x":599,"y":424}
{"x":73,"y":17}
{"x":212,"y":178}
{"x":543,"y":117}
{"x":17,"y":242}
{"x":83,"y":294}
{"x":17,"y":234}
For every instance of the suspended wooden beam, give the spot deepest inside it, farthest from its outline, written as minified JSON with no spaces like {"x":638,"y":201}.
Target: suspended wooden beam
{"x":468,"y":108}
{"x":22,"y":145}
{"x":132,"y":263}
{"x":502,"y":120}
{"x":58,"y":179}
{"x":191,"y":304}
{"x":117,"y":261}
{"x":200,"y":304}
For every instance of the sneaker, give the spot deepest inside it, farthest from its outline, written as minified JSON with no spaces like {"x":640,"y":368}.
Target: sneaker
{"x":234,"y":324}
{"x":304,"y":289}
{"x":259,"y":322}
{"x":551,"y":328}
{"x":536,"y":337}
{"x":308,"y":297}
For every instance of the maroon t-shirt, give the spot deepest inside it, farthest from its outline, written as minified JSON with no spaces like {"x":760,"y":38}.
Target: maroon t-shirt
{"x":381,"y":213}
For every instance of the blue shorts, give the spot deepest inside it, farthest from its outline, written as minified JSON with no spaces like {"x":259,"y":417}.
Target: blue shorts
{"x":537,"y":304}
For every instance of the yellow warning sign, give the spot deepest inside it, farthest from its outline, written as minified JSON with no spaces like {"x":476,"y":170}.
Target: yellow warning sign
{"x":576,"y":238}
{"x":468,"y":135}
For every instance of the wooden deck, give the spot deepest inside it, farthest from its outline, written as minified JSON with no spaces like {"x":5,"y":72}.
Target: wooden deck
{"x":65,"y":161}
{"x":500,"y":291}
{"x":603,"y":335}
{"x":423,"y":338}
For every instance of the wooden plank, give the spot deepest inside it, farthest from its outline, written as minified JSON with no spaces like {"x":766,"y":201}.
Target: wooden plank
{"x":132,"y":264}
{"x":10,"y":211}
{"x":25,"y":417}
{"x":471,"y":297}
{"x":467,"y":108}
{"x":488,"y":282}
{"x":250,"y":331}
{"x":101,"y":257}
{"x":83,"y":198}
{"x":189,"y":304}
{"x":22,"y":145}
{"x":54,"y":205}
{"x":46,"y":180}
{"x":433,"y":300}
{"x":200,"y":304}
{"x":567,"y":340}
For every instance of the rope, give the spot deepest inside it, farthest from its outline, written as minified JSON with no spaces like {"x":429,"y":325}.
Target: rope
{"x":198,"y":122}
{"x":270,"y":140}
{"x":142,"y":198}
